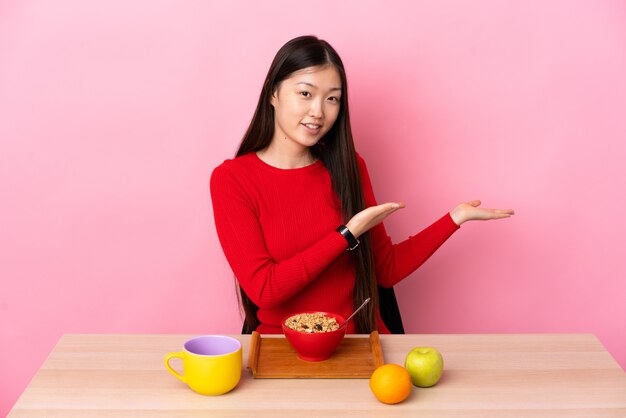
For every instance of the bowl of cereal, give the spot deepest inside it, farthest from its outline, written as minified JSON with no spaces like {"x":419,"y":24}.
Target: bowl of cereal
{"x":314,"y":335}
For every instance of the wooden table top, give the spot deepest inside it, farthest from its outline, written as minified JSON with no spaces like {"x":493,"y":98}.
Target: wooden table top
{"x":514,"y":375}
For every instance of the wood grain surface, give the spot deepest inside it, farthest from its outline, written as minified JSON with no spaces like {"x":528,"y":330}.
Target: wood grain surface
{"x":520,"y":375}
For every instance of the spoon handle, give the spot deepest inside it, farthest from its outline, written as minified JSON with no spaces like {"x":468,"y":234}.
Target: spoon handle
{"x":365,"y":302}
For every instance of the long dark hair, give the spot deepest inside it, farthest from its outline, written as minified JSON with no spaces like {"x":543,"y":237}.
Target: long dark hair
{"x":335,"y":150}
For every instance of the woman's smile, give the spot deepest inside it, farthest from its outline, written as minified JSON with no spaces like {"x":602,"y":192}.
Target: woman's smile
{"x":312,"y":128}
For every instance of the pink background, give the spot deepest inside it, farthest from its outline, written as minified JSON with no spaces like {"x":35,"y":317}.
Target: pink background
{"x":114,"y":113}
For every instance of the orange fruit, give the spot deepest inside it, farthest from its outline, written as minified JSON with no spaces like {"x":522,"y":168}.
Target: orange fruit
{"x":391,"y":383}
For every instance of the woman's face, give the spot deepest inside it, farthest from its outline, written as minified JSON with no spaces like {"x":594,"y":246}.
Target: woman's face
{"x":306,"y":105}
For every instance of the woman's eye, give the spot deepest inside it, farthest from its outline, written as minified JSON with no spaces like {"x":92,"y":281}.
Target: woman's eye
{"x":305,"y":93}
{"x":334,"y":99}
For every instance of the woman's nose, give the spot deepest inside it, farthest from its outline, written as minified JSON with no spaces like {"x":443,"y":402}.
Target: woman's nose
{"x":317,"y":109}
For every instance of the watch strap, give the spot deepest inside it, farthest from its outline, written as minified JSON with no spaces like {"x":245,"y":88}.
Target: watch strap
{"x":352,"y":241}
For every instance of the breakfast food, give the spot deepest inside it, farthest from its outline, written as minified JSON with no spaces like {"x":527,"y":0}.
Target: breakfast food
{"x":312,"y":323}
{"x":391,"y":383}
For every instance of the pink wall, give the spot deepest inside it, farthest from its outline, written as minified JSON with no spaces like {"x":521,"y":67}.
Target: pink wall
{"x":113,"y":114}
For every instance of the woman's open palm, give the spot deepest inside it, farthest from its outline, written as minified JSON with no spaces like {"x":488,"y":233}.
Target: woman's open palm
{"x":372,"y":216}
{"x":470,"y":211}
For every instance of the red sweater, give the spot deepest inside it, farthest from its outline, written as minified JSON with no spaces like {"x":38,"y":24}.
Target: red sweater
{"x":277,"y":230}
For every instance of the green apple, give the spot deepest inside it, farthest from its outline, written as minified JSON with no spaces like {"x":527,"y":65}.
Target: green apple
{"x":425,"y":365}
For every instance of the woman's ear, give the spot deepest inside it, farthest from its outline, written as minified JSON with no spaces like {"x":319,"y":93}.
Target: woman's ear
{"x":274,"y":97}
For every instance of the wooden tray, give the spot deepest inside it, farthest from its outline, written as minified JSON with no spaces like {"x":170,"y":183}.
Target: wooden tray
{"x":274,"y":358}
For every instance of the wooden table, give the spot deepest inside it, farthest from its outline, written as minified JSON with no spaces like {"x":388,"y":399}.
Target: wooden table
{"x":529,"y":375}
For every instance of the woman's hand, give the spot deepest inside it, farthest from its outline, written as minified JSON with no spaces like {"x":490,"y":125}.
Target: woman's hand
{"x":372,"y":216}
{"x":469,"y":211}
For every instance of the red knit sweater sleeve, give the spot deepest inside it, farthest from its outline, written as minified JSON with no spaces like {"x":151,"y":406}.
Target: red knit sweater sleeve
{"x":394,"y":262}
{"x":268,"y":283}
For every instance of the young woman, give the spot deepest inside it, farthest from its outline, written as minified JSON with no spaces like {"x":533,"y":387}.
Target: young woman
{"x":295,"y":212}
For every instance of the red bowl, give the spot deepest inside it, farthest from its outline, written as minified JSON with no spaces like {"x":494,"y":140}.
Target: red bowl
{"x":315,"y":346}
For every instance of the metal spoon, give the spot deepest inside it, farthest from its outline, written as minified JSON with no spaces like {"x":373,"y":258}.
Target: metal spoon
{"x":354,"y":313}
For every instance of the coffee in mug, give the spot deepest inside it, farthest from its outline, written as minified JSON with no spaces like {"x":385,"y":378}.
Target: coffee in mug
{"x":211,"y":364}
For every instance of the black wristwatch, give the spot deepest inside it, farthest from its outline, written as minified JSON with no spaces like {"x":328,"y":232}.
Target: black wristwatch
{"x":352,"y":241}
